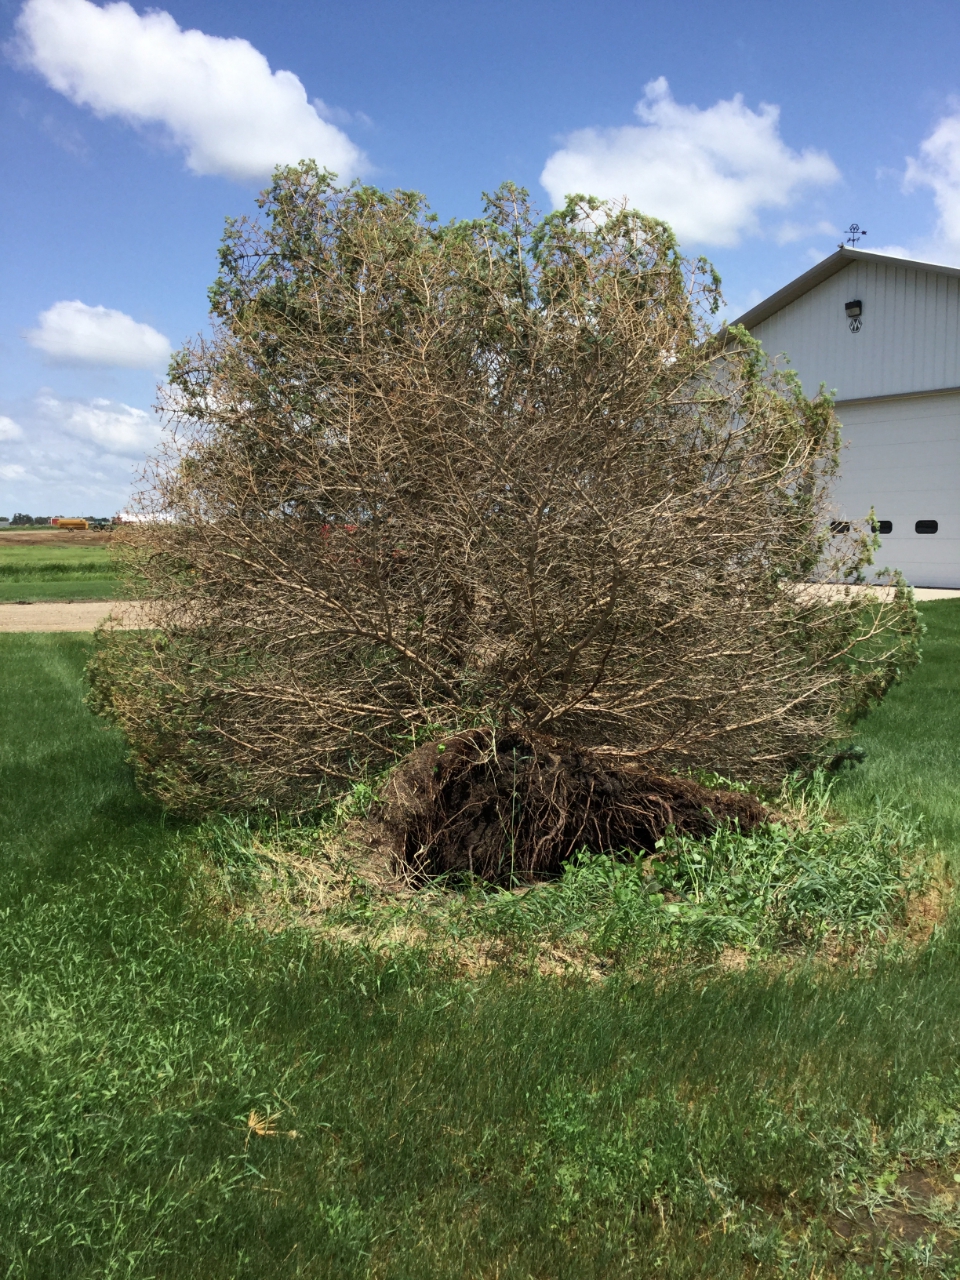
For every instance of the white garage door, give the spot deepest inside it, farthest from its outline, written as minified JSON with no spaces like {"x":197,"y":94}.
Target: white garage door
{"x":902,"y":457}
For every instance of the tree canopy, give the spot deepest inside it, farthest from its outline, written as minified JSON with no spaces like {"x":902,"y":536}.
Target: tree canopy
{"x":504,"y":474}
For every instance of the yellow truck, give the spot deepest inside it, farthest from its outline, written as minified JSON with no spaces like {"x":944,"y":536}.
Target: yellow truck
{"x":69,"y":523}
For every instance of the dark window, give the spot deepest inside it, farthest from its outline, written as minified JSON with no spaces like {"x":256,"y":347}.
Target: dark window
{"x":839,"y":526}
{"x":883,"y":526}
{"x":926,"y":526}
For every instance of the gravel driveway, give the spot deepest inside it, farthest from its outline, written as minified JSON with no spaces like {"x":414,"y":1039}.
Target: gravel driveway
{"x":60,"y":615}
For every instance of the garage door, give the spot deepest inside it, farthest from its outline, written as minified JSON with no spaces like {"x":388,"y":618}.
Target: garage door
{"x":902,"y":457}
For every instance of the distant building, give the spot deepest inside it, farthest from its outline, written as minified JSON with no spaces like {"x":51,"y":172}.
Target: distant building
{"x":884,"y":333}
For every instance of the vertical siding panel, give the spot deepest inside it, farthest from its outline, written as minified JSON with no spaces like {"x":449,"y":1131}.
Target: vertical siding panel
{"x":943,"y":328}
{"x":933,"y":332}
{"x":887,"y":302}
{"x":909,"y":311}
{"x":902,"y":300}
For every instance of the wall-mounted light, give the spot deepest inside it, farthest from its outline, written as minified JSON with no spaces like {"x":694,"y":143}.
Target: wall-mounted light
{"x":854,"y":309}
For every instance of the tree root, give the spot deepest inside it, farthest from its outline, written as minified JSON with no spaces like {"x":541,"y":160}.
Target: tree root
{"x":512,"y":807}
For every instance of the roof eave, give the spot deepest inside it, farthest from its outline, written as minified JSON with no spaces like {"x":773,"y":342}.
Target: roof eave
{"x":838,"y":261}
{"x":797,"y":288}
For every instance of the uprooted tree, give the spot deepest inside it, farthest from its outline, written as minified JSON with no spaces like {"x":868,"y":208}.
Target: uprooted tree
{"x":500,"y":488}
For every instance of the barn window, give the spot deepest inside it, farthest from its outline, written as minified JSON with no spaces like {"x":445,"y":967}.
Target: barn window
{"x":926,"y":526}
{"x":839,"y":526}
{"x":883,"y":526}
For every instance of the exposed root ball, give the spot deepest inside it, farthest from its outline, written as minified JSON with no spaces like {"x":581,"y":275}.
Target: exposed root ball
{"x":513,"y":807}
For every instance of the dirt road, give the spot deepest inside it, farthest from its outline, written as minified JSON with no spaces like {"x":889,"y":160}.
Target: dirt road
{"x":59,"y":615}
{"x":84,"y":615}
{"x":45,"y":537}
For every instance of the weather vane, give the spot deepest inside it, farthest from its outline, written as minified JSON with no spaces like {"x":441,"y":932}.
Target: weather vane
{"x":854,"y":232}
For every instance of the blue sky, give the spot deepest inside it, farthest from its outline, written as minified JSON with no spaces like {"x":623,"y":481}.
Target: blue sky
{"x":129,"y":133}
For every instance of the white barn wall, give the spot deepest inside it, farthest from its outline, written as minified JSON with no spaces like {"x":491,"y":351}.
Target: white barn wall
{"x":902,"y":458}
{"x":909,"y":341}
{"x":900,"y":420}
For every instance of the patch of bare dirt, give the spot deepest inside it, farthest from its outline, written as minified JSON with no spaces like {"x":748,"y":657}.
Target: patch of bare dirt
{"x":923,"y":1203}
{"x":926,"y":912}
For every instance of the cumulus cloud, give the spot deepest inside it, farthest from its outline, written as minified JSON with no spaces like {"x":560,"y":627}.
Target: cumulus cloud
{"x":114,"y":426}
{"x":10,"y":430}
{"x":74,"y":455}
{"x":938,"y":167}
{"x":216,"y":98}
{"x":73,"y":333}
{"x":707,"y":172}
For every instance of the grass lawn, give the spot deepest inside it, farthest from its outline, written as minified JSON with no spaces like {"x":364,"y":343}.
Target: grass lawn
{"x":186,"y":1096}
{"x":55,"y":572}
{"x":34,"y":590}
{"x":913,"y":740}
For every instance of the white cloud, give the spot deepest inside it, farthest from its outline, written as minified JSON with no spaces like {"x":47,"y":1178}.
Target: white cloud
{"x":73,"y":333}
{"x":115,"y":427}
{"x":217,"y":98}
{"x":939,"y":168}
{"x":706,"y":172}
{"x":74,"y":455}
{"x":9,"y":430}
{"x":788,"y":232}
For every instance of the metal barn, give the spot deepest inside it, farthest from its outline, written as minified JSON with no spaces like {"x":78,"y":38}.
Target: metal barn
{"x":884,"y":334}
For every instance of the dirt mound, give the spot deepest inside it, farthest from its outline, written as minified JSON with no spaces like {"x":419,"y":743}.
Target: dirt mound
{"x":516,"y":808}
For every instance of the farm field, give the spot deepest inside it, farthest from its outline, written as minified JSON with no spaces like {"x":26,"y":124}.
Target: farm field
{"x":184,"y":1092}
{"x":50,"y":565}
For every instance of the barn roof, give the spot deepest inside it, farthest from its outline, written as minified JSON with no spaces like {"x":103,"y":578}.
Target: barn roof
{"x":844,"y":257}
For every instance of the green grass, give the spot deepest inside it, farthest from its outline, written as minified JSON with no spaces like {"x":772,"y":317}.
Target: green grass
{"x":57,"y":572}
{"x":17,"y":554}
{"x":87,"y":587}
{"x":695,"y":1123}
{"x":913,"y":740}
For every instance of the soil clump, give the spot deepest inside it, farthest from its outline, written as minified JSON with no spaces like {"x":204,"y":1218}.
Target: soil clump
{"x":514,"y":807}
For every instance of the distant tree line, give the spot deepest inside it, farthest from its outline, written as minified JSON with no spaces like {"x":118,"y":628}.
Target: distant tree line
{"x":21,"y":518}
